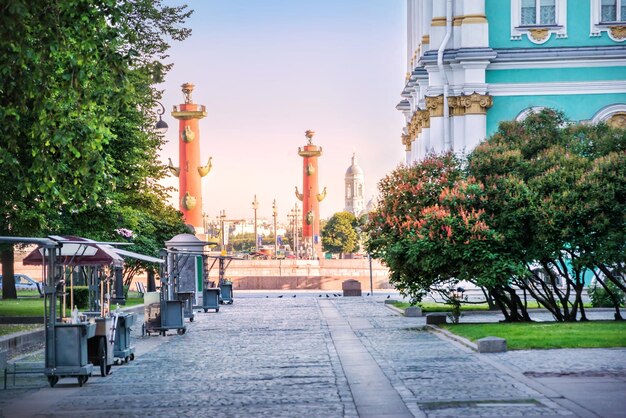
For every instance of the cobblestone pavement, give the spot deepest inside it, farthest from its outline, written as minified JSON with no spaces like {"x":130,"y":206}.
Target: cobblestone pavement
{"x":274,"y":357}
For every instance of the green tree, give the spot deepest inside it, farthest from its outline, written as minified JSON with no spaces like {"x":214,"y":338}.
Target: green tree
{"x":572,"y":217}
{"x":77,"y":136}
{"x":339,"y":234}
{"x":431,"y":229}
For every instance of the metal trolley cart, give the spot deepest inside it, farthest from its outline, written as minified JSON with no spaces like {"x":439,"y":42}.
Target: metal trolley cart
{"x":66,"y":343}
{"x":162,"y":311}
{"x":161,"y":315}
{"x":210,"y":298}
{"x":187,"y":299}
{"x":226,"y":286}
{"x":122,"y":348}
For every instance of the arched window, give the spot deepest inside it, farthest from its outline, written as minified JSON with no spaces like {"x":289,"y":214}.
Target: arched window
{"x":527,"y":112}
{"x":614,"y":115}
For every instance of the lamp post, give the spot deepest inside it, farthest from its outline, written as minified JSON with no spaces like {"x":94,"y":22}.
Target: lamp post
{"x":296,"y":232}
{"x":222,"y":218}
{"x":161,"y":126}
{"x":255,"y":206}
{"x":275,"y":212}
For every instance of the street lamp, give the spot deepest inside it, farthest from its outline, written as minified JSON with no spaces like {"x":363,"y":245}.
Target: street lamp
{"x":296,"y":210}
{"x":161,"y":126}
{"x":275,"y":212}
{"x":222,"y":218}
{"x":255,"y":206}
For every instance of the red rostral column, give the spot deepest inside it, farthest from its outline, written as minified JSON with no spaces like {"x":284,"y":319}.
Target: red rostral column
{"x":190,"y":172}
{"x":310,"y":195}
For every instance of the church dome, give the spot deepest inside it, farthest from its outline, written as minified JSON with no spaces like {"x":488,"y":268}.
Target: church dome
{"x":354,"y":170}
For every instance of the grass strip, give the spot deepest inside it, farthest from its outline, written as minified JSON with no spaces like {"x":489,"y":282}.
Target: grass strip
{"x":34,"y":306}
{"x":6,"y":329}
{"x":548,"y":335}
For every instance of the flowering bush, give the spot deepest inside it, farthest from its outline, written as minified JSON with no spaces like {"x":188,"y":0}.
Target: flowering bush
{"x":125,"y":233}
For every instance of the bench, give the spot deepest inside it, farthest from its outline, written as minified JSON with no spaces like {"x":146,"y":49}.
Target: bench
{"x":141,"y":288}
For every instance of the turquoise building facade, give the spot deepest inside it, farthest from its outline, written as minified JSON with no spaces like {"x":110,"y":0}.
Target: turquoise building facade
{"x":472,"y":64}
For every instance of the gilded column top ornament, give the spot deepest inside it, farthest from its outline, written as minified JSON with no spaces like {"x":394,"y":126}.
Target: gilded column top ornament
{"x":476,"y":104}
{"x":187,"y":90}
{"x":434,"y":104}
{"x":309,"y":136}
{"x":424,"y":116}
{"x":406,"y":141}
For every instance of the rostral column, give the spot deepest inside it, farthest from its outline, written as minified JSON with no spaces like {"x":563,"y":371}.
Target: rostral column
{"x":189,"y":171}
{"x":310,"y":196}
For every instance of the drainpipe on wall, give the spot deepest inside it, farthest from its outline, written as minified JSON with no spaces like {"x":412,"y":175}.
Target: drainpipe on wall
{"x":444,"y":78}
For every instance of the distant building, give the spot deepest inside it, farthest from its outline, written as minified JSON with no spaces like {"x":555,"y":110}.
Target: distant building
{"x":354,"y":181}
{"x":482,"y":62}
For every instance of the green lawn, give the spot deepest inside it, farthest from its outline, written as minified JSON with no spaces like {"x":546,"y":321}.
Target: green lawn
{"x":544,"y":335}
{"x":34,"y":306}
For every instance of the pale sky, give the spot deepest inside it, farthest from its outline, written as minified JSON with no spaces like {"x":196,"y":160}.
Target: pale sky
{"x":268,"y":70}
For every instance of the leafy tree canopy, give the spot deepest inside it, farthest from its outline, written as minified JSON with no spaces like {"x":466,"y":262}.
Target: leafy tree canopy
{"x":339,"y":234}
{"x":77,"y":142}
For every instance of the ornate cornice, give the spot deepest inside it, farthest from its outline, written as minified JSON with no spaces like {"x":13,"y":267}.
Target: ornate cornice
{"x":539,"y":35}
{"x":406,"y":141}
{"x":617,"y":33}
{"x":476,"y":104}
{"x":456,"y":107}
{"x":424,"y":116}
{"x":434,"y":104}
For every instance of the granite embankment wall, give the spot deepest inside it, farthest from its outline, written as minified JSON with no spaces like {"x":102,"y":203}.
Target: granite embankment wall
{"x":281,"y":274}
{"x":303,"y":274}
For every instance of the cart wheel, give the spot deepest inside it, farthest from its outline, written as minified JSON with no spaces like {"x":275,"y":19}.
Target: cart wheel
{"x":132,"y":356}
{"x":102,"y":356}
{"x":143,"y":330}
{"x":109,"y":369}
{"x":181,"y":331}
{"x":82,"y":380}
{"x":126,"y":359}
{"x":52,"y":380}
{"x":205,"y":311}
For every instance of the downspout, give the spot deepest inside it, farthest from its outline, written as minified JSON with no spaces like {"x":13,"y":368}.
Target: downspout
{"x":444,"y":78}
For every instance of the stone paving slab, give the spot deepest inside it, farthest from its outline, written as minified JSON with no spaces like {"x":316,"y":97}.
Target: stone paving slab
{"x":276,"y":357}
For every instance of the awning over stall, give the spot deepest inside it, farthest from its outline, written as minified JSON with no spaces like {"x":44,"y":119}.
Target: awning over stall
{"x":78,"y":251}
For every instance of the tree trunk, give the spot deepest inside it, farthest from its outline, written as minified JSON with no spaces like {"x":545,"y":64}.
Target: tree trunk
{"x":7,"y":257}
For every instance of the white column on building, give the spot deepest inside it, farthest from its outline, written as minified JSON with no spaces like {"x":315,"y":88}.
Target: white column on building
{"x":475,"y":28}
{"x":476,"y":106}
{"x":410,"y":35}
{"x":427,"y":15}
{"x":425,"y":146}
{"x":437,"y":23}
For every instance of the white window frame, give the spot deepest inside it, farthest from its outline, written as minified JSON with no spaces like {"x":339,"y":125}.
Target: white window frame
{"x":539,"y":34}
{"x":615,"y":30}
